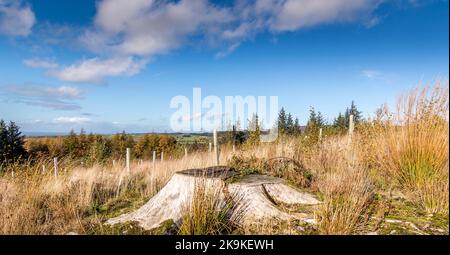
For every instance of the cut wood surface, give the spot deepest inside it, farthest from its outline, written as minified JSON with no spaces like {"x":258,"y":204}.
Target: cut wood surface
{"x":258,"y":196}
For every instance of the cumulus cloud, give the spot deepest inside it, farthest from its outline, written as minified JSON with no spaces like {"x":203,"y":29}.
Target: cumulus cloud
{"x":40,"y":63}
{"x":126,"y":34}
{"x":95,"y":69}
{"x":16,"y":19}
{"x":148,"y":27}
{"x":56,"y":98}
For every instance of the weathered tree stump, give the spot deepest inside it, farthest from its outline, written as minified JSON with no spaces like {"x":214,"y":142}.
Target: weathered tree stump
{"x":258,"y":196}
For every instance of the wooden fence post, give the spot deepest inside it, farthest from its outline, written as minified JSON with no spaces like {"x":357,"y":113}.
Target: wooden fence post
{"x":128,"y":156}
{"x":154,"y":157}
{"x":351,"y":126}
{"x":216,"y":146}
{"x":162,"y":155}
{"x":55,"y":166}
{"x":320,"y":134}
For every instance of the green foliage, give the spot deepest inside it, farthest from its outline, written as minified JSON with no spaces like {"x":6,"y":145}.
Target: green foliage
{"x":11,"y":143}
{"x":315,"y":123}
{"x":282,"y":127}
{"x":287,"y":125}
{"x":341,"y":122}
{"x":120,"y":142}
{"x":254,"y":137}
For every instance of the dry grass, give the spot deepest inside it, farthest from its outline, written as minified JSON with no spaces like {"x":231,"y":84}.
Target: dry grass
{"x":35,"y":203}
{"x":209,"y":212}
{"x":411,"y":147}
{"x":345,"y":188}
{"x":406,"y":150}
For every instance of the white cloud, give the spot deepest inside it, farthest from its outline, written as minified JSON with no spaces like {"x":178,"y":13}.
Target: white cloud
{"x":128,"y":33}
{"x":148,"y":27}
{"x":296,"y":14}
{"x":62,"y":92}
{"x":16,"y":19}
{"x":95,"y":69}
{"x":56,"y":98}
{"x":71,"y":120}
{"x":40,"y":63}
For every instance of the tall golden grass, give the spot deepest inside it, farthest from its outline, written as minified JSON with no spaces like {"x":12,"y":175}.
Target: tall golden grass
{"x":406,"y":150}
{"x":411,"y":147}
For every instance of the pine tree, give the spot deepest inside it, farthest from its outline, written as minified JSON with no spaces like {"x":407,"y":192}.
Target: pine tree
{"x":340,"y":122}
{"x":357,"y":117}
{"x":311,"y":126}
{"x":282,"y":122}
{"x":320,"y":121}
{"x":297,"y":128}
{"x":315,"y":122}
{"x":16,"y":140}
{"x":289,"y":125}
{"x":11,"y":143}
{"x":254,"y":130}
{"x":3,"y":141}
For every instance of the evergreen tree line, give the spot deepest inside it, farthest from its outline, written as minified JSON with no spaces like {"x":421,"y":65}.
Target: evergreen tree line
{"x":287,"y":125}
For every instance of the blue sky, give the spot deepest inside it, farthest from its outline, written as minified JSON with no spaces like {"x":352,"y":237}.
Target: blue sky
{"x":110,"y":65}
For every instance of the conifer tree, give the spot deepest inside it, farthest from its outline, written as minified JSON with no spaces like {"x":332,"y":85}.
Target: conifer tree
{"x":297,"y":128}
{"x":289,"y":124}
{"x":11,"y":143}
{"x":340,"y":122}
{"x":254,"y":130}
{"x":282,"y":122}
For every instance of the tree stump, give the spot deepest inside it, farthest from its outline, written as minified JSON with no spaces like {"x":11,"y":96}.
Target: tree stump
{"x":259,"y":196}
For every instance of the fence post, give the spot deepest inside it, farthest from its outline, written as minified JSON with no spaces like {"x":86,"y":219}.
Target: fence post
{"x":351,"y":126}
{"x":162,"y":155}
{"x":55,"y":166}
{"x":128,"y":156}
{"x":320,"y":134}
{"x":216,"y":149}
{"x":154,"y":157}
